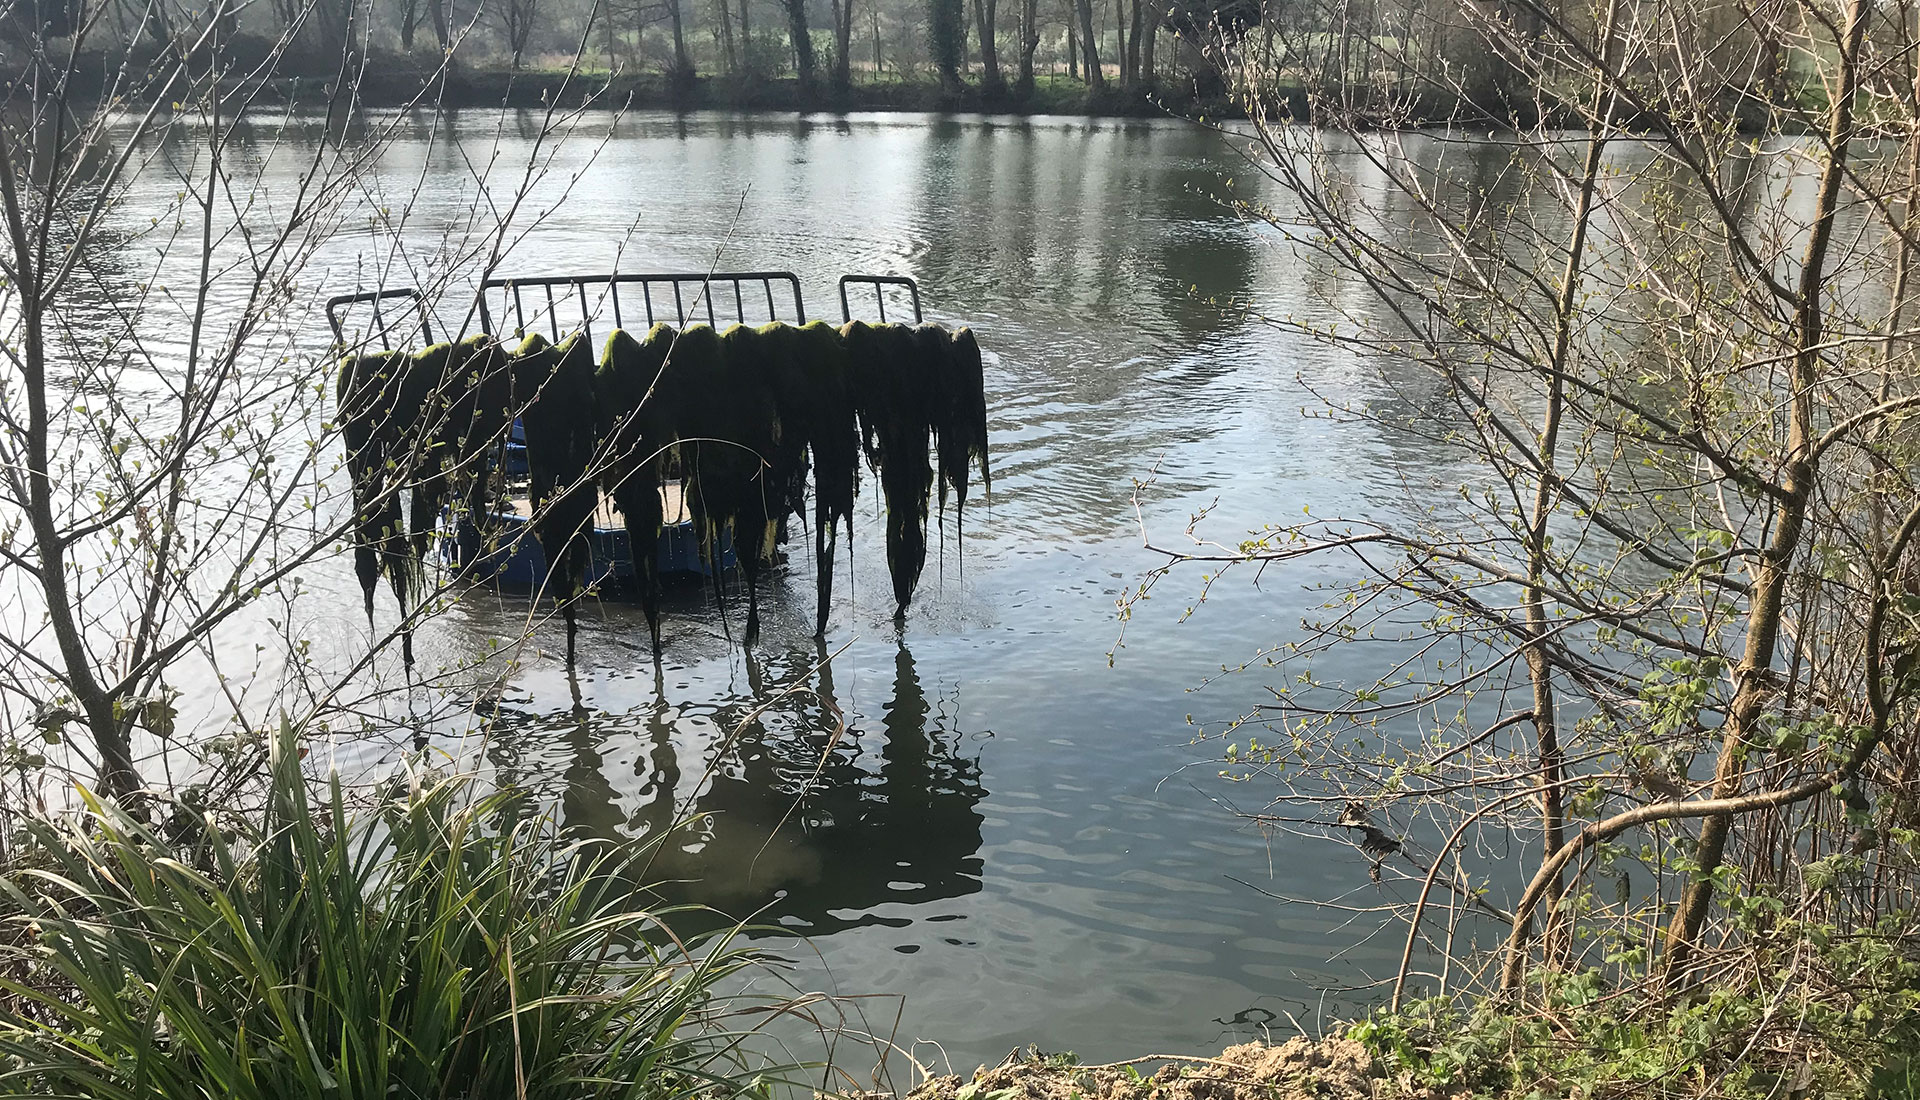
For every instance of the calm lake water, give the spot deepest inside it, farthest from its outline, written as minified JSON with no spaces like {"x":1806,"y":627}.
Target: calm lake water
{"x":1018,"y":837}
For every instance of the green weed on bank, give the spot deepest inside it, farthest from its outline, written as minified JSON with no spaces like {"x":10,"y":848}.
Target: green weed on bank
{"x":1818,"y":1014}
{"x":412,"y":950}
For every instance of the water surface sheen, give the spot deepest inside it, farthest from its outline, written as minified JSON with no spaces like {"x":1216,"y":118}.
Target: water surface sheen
{"x":1007,"y":830}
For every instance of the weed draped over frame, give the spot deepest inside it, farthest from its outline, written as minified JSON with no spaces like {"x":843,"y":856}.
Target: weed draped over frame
{"x":636,"y":419}
{"x":368,"y":396}
{"x":887,"y":370}
{"x":960,"y":419}
{"x":741,"y":417}
{"x":833,"y":437}
{"x":416,"y":425}
{"x":553,"y":389}
{"x":468,"y":412}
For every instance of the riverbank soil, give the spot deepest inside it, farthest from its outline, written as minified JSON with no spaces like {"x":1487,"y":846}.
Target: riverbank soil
{"x":1298,"y":1069}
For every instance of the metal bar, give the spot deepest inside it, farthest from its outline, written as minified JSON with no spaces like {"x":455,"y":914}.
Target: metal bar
{"x":679,"y":307}
{"x":586,"y":320}
{"x":739,"y":306}
{"x":336,"y":309}
{"x":644,"y":277}
{"x":553,"y":314}
{"x":880,"y":283}
{"x":519,"y":312}
{"x":614,"y":289}
{"x":646,"y":291}
{"x":772,"y":314}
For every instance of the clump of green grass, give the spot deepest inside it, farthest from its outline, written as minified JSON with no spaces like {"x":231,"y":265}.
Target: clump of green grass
{"x":427,"y":947}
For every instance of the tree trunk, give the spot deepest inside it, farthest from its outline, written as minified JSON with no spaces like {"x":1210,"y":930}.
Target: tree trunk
{"x":1029,"y":42}
{"x":1754,"y":677}
{"x":441,"y":32}
{"x":520,"y":15}
{"x":991,"y":82}
{"x":1073,"y":42}
{"x":802,"y":40}
{"x":613,"y":45}
{"x":409,"y":18}
{"x":1550,"y":756}
{"x":723,"y":30}
{"x":517,"y":34}
{"x":1120,"y":42}
{"x":1089,"y":54}
{"x":1133,"y":45}
{"x":947,"y":41}
{"x":746,"y":40}
{"x":332,"y":27}
{"x":682,"y":64}
{"x":842,"y":45}
{"x":1146,"y":53}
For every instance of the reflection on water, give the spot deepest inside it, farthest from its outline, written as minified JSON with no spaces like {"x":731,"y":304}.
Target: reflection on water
{"x":791,"y":814}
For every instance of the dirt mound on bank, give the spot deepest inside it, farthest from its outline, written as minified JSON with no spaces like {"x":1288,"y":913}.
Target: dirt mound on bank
{"x":1299,"y":1069}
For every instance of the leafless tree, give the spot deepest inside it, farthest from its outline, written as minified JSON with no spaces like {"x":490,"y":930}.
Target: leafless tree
{"x":168,"y":469}
{"x":518,"y":18}
{"x":1675,"y":584}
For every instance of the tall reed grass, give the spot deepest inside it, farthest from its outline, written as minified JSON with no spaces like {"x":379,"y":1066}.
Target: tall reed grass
{"x":427,"y":946}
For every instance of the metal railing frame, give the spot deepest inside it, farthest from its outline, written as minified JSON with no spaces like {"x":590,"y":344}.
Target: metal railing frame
{"x":513,"y":292}
{"x":879,"y":283}
{"x":336,"y":309}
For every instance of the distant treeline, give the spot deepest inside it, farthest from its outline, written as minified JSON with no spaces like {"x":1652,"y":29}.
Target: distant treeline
{"x":1391,"y":62}
{"x":1103,"y":56}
